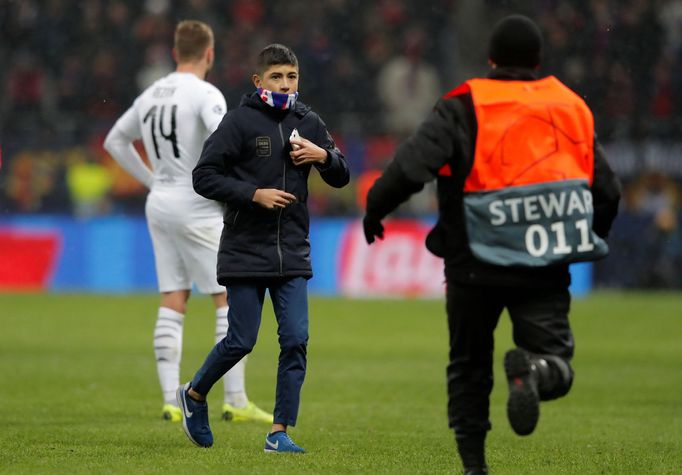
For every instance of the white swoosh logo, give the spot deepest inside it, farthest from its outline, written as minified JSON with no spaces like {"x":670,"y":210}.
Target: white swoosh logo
{"x":184,"y":407}
{"x":274,"y":446}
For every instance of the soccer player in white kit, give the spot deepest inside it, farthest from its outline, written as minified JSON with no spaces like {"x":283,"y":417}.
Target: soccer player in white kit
{"x":173,"y":117}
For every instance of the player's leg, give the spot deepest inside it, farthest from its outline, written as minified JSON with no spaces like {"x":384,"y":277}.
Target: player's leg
{"x":290,"y":302}
{"x":473,"y":313}
{"x":539,"y":369}
{"x":168,"y":348}
{"x":174,"y":285}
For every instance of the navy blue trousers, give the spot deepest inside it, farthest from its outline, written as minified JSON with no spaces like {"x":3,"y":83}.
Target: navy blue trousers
{"x":290,"y":302}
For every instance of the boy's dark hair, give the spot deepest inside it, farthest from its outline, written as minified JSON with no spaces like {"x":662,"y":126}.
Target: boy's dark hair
{"x":274,"y":54}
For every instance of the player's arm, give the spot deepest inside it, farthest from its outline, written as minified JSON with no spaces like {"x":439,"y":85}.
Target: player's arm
{"x":119,"y":144}
{"x":210,"y":178}
{"x":213,"y":108}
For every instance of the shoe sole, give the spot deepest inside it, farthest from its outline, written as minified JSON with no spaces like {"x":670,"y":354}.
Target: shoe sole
{"x":523,"y":405}
{"x":180,"y":396}
{"x":271,"y":451}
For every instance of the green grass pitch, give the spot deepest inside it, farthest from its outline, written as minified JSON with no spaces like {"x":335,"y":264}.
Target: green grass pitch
{"x":80,"y":395}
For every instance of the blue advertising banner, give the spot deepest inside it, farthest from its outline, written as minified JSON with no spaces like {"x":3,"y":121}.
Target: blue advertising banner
{"x":114,"y":255}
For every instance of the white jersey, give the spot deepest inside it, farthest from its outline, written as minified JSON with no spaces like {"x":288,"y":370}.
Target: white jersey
{"x":173,"y":117}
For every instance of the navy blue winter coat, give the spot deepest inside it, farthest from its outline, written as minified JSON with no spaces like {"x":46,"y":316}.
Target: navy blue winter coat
{"x":250,"y":150}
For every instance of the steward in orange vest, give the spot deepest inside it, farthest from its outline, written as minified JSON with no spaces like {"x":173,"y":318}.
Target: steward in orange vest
{"x":527,"y":198}
{"x":524,"y":189}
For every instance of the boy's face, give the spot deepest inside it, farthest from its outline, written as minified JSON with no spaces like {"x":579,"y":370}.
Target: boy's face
{"x":281,"y":78}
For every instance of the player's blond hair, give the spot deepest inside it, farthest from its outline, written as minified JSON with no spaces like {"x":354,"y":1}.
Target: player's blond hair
{"x":192,"y":37}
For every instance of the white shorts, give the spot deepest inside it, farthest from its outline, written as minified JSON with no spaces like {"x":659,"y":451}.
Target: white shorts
{"x":186,"y":236}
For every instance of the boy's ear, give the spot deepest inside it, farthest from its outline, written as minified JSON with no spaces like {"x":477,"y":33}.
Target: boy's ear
{"x":256,"y":80}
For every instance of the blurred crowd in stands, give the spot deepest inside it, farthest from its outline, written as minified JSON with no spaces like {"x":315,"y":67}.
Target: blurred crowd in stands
{"x":372,"y":69}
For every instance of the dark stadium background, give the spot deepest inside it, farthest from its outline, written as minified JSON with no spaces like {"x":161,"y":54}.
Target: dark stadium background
{"x":70,"y":68}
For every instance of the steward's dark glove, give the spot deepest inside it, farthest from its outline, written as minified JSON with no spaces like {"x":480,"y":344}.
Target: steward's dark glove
{"x":373,"y":229}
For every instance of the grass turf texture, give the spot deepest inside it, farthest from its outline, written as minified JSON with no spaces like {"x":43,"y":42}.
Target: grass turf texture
{"x":80,"y":393}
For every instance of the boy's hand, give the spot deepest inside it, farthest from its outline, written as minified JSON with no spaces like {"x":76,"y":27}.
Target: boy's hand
{"x":307,"y":153}
{"x":271,"y":198}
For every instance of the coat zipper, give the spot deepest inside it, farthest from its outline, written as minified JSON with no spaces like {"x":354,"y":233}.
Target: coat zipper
{"x":279,"y":216}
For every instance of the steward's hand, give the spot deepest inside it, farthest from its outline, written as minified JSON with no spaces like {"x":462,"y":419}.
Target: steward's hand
{"x":271,"y":198}
{"x":373,"y":229}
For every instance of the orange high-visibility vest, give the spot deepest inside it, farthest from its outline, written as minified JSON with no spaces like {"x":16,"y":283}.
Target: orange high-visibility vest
{"x":527,"y":198}
{"x":529,"y":132}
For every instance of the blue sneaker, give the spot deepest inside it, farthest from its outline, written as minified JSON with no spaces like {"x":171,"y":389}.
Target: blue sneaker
{"x":194,"y":418}
{"x":280,"y":442}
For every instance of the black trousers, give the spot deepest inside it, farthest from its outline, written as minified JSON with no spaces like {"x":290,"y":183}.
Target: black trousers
{"x":540,"y":325}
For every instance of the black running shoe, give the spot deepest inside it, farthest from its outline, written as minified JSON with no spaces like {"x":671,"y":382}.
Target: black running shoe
{"x":476,"y":471}
{"x":523,"y":405}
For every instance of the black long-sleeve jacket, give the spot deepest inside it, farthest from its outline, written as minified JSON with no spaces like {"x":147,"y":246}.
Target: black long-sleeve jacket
{"x":448,"y":137}
{"x":250,"y":150}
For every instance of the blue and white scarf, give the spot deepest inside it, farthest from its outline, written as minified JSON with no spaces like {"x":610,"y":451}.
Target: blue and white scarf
{"x":278,"y":100}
